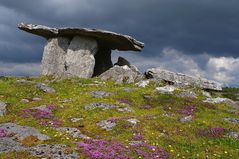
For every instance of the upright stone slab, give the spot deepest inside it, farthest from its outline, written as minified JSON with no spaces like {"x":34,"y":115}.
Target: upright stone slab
{"x":79,"y":59}
{"x":53,"y":60}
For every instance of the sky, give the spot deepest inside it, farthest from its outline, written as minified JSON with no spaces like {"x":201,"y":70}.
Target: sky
{"x":195,"y":37}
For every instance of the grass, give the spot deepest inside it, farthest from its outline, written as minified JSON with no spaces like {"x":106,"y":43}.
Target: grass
{"x":180,"y":140}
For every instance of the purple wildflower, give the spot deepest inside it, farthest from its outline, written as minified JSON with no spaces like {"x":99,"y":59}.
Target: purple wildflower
{"x":137,"y":137}
{"x":115,"y":150}
{"x":188,"y":110}
{"x":51,"y":106}
{"x":3,"y":133}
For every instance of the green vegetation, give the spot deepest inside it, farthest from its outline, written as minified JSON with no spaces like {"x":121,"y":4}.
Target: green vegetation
{"x":203,"y":137}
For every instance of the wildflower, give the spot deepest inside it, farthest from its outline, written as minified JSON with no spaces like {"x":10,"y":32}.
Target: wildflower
{"x":3,"y":133}
{"x":171,"y":150}
{"x":225,"y":152}
{"x":169,"y":145}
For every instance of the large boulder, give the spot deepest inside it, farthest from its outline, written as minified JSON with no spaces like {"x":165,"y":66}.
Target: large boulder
{"x":182,"y":79}
{"x":122,"y":74}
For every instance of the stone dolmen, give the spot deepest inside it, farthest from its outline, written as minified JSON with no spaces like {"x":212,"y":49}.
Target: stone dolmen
{"x":79,"y":52}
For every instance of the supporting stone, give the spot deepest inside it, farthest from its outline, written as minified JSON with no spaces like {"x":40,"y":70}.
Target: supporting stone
{"x":102,"y":61}
{"x":70,"y":58}
{"x":80,"y":61}
{"x":54,"y":56}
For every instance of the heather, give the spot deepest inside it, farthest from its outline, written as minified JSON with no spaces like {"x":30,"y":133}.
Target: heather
{"x":152,"y":129}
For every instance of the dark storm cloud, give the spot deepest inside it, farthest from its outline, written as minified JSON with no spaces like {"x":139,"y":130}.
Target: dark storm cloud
{"x":191,"y":26}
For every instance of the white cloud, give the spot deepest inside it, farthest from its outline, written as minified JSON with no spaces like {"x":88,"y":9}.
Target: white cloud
{"x":224,"y":69}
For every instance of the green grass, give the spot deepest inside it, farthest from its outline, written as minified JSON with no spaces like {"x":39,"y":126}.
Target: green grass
{"x":181,"y":140}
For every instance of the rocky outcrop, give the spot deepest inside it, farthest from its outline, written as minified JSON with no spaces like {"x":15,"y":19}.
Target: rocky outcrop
{"x":21,"y":132}
{"x":79,"y":52}
{"x":122,"y":74}
{"x":182,"y":79}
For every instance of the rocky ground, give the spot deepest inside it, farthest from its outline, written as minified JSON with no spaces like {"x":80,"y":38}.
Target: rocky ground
{"x":79,"y":118}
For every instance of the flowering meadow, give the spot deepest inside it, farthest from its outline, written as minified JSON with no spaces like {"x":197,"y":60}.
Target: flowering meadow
{"x":158,"y":126}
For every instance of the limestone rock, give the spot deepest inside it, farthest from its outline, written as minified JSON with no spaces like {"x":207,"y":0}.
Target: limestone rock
{"x":100,"y":94}
{"x":215,"y":100}
{"x":22,"y":132}
{"x":133,"y":121}
{"x":53,"y":60}
{"x":106,"y":38}
{"x":45,"y":88}
{"x":182,"y":79}
{"x":74,"y":132}
{"x":122,"y":61}
{"x":79,"y":59}
{"x":234,"y":135}
{"x":121,"y":74}
{"x":143,"y":83}
{"x":188,"y":94}
{"x":103,"y":106}
{"x":107,"y":125}
{"x":186,"y":119}
{"x":166,"y":89}
{"x":7,"y":144}
{"x":232,"y":120}
{"x":125,"y":109}
{"x":3,"y":108}
{"x":51,"y":151}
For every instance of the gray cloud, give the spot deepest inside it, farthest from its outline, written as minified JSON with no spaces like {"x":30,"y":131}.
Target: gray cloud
{"x":192,"y":27}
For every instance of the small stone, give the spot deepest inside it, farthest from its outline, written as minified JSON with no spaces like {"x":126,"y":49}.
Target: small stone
{"x":234,"y":135}
{"x":36,"y":99}
{"x":215,"y":100}
{"x":188,"y":94}
{"x":143,"y":83}
{"x":74,"y":132}
{"x":166,"y":89}
{"x":75,"y":120}
{"x":232,"y":120}
{"x":206,"y":94}
{"x":3,"y":108}
{"x":103,"y":106}
{"x":125,"y":109}
{"x":133,"y":121}
{"x":106,"y":124}
{"x":100,"y":94}
{"x":25,"y":100}
{"x":186,"y":119}
{"x":45,"y":88}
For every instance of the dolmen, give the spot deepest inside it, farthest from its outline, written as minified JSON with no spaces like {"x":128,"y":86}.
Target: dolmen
{"x":79,"y":52}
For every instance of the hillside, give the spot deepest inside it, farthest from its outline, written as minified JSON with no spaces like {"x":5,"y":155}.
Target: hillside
{"x":99,"y":119}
